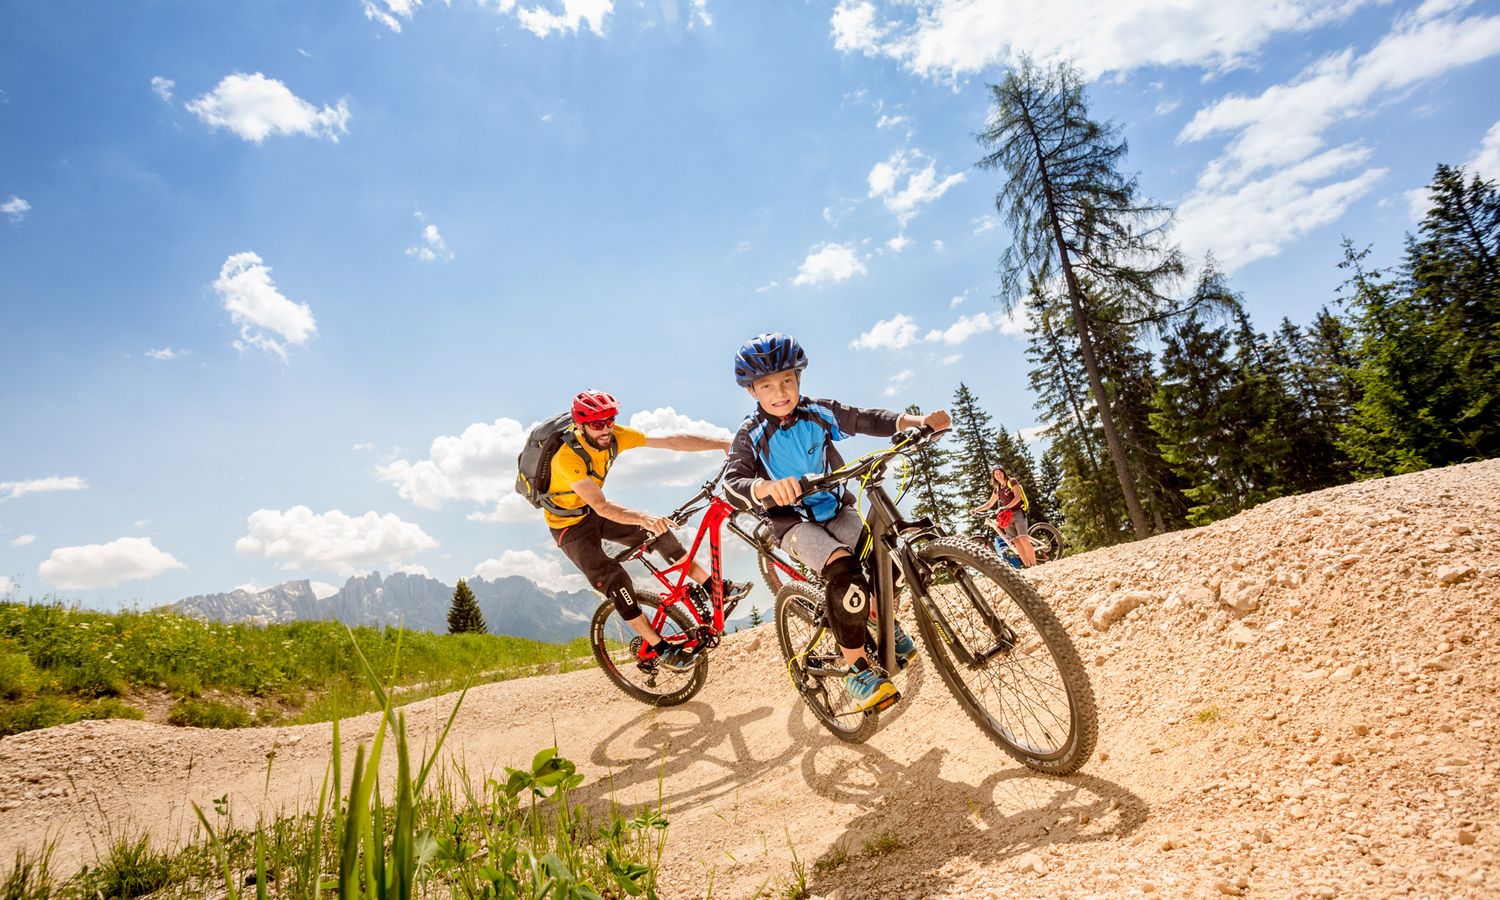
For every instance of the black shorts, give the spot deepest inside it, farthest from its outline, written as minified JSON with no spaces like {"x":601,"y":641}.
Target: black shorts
{"x":583,"y":542}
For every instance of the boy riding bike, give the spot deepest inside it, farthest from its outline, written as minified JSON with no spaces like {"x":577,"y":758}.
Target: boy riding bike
{"x":790,"y":436}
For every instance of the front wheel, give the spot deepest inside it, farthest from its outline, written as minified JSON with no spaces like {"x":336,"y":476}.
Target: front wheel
{"x":617,"y":648}
{"x":1005,"y":657}
{"x":815,"y":664}
{"x":1047,"y":541}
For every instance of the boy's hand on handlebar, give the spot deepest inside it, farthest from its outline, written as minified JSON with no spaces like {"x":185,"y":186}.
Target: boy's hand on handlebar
{"x":782,"y":492}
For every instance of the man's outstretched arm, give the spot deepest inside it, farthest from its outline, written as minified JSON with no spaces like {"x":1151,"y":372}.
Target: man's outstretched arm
{"x":689,"y":443}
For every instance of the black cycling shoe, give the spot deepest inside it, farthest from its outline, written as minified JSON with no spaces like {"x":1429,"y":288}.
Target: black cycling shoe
{"x":677,"y":658}
{"x":734,"y":592}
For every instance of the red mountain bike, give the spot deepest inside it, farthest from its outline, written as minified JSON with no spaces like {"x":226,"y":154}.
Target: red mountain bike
{"x":622,"y":654}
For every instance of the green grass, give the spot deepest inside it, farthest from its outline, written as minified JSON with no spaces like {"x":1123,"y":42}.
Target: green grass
{"x":1207,"y":714}
{"x":61,"y":664}
{"x":441,"y":833}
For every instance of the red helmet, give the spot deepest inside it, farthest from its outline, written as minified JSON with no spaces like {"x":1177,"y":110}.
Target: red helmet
{"x":594,"y":406}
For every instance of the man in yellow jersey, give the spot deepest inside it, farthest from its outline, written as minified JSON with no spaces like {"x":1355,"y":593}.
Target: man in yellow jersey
{"x":585,"y":518}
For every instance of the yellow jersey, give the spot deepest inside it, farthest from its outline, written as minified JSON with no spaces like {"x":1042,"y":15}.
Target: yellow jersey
{"x":568,"y":468}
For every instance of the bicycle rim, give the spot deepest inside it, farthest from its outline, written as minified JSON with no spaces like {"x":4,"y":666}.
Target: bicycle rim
{"x":615,"y":645}
{"x":806,"y":651}
{"x":1033,"y":696}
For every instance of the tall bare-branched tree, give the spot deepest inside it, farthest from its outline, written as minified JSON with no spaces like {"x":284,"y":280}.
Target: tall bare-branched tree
{"x":1075,"y":218}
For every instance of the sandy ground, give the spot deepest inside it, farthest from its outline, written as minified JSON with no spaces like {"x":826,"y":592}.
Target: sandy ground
{"x":1298,"y":701}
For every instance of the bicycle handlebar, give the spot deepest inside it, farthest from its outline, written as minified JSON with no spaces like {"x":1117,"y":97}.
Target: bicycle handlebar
{"x":901,"y":441}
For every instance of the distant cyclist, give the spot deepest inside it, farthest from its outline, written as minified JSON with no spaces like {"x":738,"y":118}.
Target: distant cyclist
{"x":789,"y":436}
{"x":1010,"y":517}
{"x":587,"y":518}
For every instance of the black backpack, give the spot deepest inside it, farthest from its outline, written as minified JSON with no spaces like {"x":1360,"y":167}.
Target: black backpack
{"x":534,"y":465}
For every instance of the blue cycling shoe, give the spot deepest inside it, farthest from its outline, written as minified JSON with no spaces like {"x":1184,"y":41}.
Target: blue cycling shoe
{"x":905,"y":647}
{"x":870,"y":690}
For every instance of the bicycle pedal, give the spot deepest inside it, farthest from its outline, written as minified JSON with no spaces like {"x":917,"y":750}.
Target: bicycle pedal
{"x":884,"y":705}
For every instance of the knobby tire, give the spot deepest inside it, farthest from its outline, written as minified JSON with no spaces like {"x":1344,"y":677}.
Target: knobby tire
{"x":1034,"y":700}
{"x":611,"y":640}
{"x":798,"y":614}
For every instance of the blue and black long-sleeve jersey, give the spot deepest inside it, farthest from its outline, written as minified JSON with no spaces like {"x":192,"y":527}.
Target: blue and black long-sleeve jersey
{"x":768,"y":448}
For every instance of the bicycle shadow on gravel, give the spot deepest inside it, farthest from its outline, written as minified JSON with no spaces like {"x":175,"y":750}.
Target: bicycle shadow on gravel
{"x":915,"y":822}
{"x":663,"y":743}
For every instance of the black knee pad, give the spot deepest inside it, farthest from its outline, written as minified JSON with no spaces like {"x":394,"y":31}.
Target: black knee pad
{"x":848,"y":600}
{"x":622,"y":593}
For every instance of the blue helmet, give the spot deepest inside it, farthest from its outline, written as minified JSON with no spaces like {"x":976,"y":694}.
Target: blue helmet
{"x":767,"y":354}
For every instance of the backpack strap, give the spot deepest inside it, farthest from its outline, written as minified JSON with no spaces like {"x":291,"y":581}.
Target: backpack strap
{"x":570,"y":440}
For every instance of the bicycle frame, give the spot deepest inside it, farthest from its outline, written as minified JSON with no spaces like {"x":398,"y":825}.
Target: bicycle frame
{"x":675,"y":577}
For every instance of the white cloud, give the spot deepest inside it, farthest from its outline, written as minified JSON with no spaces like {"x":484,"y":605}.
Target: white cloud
{"x":6,"y":586}
{"x":546,"y":571}
{"x":947,"y":39}
{"x":162,"y":87}
{"x":952,"y":358}
{"x":898,"y":243}
{"x":1033,"y":434}
{"x":322,"y":589}
{"x":412,"y":569}
{"x":386,"y":12}
{"x":898,"y":381}
{"x":1164,"y":107}
{"x":922,"y":184}
{"x":938,"y":246}
{"x":829,"y":262}
{"x":1486,"y":160}
{"x":1275,"y":179}
{"x":985,"y":223}
{"x":333,"y":541}
{"x":167,"y":354}
{"x":575,"y":13}
{"x":15,"y":209}
{"x":245,"y":287}
{"x":854,"y":27}
{"x":23,"y":541}
{"x":701,"y":15}
{"x":891,"y":121}
{"x":667,"y":468}
{"x":363,"y":448}
{"x":254,"y":107}
{"x":896,"y":333}
{"x":106,"y":565}
{"x":431,"y":246}
{"x":967,"y":327}
{"x":478,"y":465}
{"x":10,"y":490}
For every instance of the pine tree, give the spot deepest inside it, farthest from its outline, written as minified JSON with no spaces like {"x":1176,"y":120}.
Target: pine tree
{"x":464,"y":616}
{"x":1074,"y":215}
{"x":1429,"y":373}
{"x":755,"y":618}
{"x":931,"y":483}
{"x":975,"y":457}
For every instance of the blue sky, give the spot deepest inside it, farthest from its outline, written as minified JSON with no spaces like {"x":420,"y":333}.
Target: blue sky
{"x":282,"y":284}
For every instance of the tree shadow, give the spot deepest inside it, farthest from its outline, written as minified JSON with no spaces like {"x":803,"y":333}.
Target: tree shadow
{"x":917,"y":821}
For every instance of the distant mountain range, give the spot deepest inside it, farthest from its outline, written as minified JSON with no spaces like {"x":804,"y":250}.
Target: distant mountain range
{"x":511,"y":605}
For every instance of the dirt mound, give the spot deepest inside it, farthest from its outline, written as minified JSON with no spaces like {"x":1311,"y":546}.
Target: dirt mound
{"x":1298,"y":701}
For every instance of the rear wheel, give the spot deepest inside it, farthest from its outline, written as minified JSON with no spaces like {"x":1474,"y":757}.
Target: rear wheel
{"x":617,"y":648}
{"x":1046,"y":540}
{"x":815,"y":664}
{"x":1006,"y":657}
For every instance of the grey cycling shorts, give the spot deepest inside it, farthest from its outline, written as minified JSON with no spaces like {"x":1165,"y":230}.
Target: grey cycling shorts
{"x":1018,"y":525}
{"x":811,"y":543}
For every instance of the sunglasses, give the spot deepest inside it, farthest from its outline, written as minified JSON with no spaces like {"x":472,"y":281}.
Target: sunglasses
{"x":601,"y":425}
